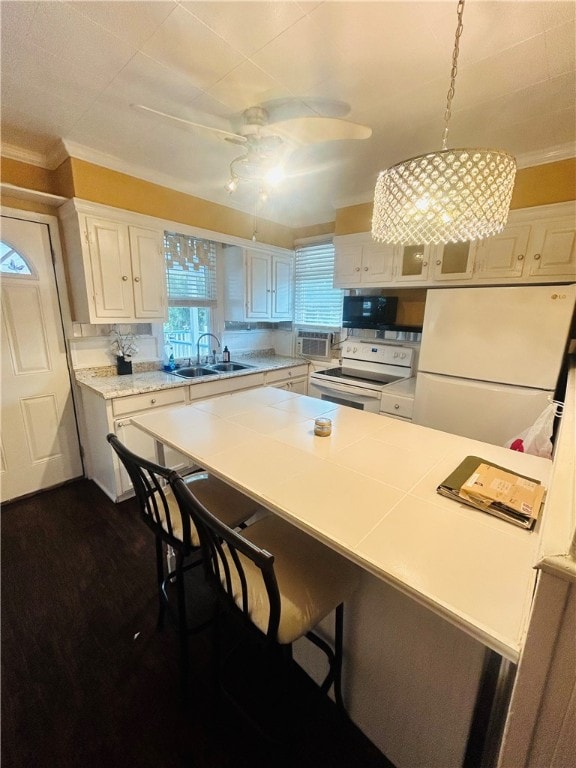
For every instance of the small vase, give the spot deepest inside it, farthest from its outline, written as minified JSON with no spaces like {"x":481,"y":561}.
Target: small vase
{"x":123,"y":366}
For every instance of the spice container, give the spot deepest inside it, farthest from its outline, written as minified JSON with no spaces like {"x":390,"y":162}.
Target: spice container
{"x":322,"y":427}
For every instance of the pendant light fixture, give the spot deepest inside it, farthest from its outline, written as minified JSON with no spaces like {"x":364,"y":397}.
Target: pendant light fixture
{"x":448,"y":196}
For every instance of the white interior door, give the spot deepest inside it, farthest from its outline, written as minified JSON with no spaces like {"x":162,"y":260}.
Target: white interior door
{"x":39,"y":438}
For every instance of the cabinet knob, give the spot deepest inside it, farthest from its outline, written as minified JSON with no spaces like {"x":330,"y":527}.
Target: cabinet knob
{"x":289,"y":373}
{"x":424,"y":263}
{"x":152,"y":401}
{"x":365,"y":269}
{"x":536,"y":256}
{"x":396,"y":406}
{"x":136,"y":279}
{"x":438,"y":263}
{"x":268,"y":290}
{"x":124,"y":277}
{"x":521,"y":256}
{"x":356,"y":269}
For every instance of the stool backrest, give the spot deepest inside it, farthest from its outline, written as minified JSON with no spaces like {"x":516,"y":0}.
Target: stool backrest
{"x":150,"y":482}
{"x":231,"y":562}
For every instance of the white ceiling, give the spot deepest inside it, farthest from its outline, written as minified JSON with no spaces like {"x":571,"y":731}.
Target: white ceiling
{"x":71,"y":70}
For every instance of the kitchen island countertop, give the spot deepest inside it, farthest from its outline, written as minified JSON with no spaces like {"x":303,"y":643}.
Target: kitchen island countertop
{"x":149,"y":381}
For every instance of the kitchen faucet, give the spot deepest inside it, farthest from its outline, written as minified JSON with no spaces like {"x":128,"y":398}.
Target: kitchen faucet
{"x":198,"y":345}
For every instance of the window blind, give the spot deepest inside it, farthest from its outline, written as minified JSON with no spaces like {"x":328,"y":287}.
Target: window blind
{"x":190,"y":270}
{"x":316,"y":302}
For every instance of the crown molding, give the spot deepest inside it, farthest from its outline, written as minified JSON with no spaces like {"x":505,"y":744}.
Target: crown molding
{"x":13,"y":152}
{"x":549,"y":155}
{"x":21,"y":193}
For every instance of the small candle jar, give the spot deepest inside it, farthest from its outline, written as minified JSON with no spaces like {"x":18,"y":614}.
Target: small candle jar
{"x":322,"y":427}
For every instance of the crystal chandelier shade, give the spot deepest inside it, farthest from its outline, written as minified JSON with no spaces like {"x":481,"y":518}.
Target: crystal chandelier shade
{"x":448,"y":196}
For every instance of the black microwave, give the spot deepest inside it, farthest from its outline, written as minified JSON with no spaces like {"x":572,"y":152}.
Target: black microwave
{"x":369,"y":311}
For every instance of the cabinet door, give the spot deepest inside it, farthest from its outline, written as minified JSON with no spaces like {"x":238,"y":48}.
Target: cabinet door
{"x":412,"y":263}
{"x":553,"y":249}
{"x":347,"y":265}
{"x":377,"y":263}
{"x":452,"y":261}
{"x":300,"y":386}
{"x":110,"y":269}
{"x":143,"y":445}
{"x":258,"y":285}
{"x":281,"y":288}
{"x":502,"y":255}
{"x":148,"y":273}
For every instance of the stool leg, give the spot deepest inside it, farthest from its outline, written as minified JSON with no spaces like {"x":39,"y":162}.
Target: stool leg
{"x":160,"y":580}
{"x":182,"y":626}
{"x":338,"y":651}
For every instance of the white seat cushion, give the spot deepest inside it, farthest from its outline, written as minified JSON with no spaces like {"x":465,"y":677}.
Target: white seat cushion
{"x":312,"y":578}
{"x":224,"y":502}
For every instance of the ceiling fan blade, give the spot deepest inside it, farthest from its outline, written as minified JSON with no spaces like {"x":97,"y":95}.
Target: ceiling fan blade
{"x":227,"y":135}
{"x":310,"y":130}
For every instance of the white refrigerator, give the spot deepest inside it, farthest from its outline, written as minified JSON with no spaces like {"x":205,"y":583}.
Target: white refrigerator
{"x":490,"y":358}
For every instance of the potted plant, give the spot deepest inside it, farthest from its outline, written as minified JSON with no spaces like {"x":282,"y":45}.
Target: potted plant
{"x":123,"y":346}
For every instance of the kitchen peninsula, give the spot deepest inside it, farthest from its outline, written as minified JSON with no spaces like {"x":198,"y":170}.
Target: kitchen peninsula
{"x":369,"y":491}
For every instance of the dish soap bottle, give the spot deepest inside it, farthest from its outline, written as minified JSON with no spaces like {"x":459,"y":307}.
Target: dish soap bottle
{"x":170,"y":364}
{"x":226,"y":355}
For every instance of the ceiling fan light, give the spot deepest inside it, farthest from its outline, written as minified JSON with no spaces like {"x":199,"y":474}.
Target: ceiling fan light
{"x":274,"y":175}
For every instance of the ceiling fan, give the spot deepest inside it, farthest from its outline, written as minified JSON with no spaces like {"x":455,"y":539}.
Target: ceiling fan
{"x":257,"y":124}
{"x":265,"y":140}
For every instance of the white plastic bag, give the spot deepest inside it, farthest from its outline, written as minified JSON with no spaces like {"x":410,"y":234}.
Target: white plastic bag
{"x":536,"y":439}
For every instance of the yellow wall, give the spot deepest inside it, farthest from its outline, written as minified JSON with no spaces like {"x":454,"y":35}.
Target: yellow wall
{"x":102,"y":185}
{"x":26,"y":176}
{"x":78,"y":178}
{"x":538,"y":185}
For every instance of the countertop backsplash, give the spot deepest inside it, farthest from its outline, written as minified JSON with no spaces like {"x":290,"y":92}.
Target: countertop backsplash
{"x":90,"y":347}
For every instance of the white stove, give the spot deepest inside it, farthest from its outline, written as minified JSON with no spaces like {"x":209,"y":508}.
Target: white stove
{"x":367,"y":368}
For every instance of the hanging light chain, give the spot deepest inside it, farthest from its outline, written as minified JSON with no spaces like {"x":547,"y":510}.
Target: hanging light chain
{"x":454,"y":72}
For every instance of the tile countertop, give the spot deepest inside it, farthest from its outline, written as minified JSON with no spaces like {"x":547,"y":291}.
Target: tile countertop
{"x":369,"y":492}
{"x":148,"y":381}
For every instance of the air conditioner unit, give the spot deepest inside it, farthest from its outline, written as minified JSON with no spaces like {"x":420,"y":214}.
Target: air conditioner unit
{"x":315,"y":344}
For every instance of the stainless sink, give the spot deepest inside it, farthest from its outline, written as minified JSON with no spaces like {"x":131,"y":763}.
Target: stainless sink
{"x":227,"y":367}
{"x":193,"y":372}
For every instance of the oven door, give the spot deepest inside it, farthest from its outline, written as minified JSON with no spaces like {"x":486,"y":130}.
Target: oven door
{"x":344,"y":394}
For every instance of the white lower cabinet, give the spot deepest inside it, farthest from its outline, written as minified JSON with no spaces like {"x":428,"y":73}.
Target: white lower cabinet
{"x":103,"y":416}
{"x":292,"y":379}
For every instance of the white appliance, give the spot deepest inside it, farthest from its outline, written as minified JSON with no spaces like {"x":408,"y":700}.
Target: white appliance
{"x":490,"y":358}
{"x":368,"y":367}
{"x":316,"y":344}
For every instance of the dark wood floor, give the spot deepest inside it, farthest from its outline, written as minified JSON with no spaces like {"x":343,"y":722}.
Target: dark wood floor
{"x":87,"y":680}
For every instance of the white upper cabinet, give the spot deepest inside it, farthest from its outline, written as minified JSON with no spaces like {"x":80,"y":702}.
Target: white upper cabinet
{"x":117,"y":271}
{"x":537,"y":245}
{"x":257,"y":284}
{"x":362,"y":262}
{"x":553,"y":249}
{"x":452,"y":261}
{"x":503,"y":255}
{"x":412,"y":263}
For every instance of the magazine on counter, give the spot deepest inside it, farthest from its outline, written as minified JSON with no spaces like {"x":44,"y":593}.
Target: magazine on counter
{"x":495,"y":490}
